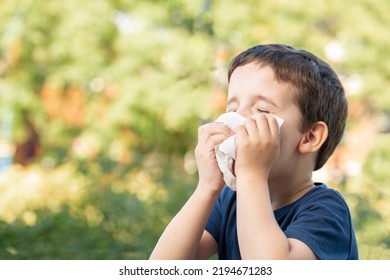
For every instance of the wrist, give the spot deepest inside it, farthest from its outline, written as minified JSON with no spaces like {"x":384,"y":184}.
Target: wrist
{"x":207,"y":191}
{"x":253,"y":173}
{"x":249,"y":178}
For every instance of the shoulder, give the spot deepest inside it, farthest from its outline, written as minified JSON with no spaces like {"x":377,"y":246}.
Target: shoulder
{"x":322,"y":220}
{"x":322,"y":195}
{"x":321,"y":201}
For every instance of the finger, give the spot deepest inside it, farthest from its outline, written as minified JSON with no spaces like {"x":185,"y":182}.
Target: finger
{"x":274,"y":126}
{"x":211,"y":135}
{"x":216,"y":139}
{"x":222,"y":127}
{"x":241,"y":131}
{"x":261,"y":123}
{"x":251,"y":127}
{"x":205,"y":146}
{"x":207,"y":130}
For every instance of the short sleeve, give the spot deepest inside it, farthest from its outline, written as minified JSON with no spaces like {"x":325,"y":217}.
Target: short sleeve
{"x":324,"y":224}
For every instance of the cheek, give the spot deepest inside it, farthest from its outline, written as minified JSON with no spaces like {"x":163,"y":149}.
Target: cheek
{"x":289,"y":140}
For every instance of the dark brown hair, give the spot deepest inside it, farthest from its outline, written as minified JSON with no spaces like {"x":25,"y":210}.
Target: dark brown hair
{"x":320,"y":94}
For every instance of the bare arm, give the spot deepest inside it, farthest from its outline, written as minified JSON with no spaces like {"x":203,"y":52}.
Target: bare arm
{"x":259,"y":234}
{"x":184,"y":237}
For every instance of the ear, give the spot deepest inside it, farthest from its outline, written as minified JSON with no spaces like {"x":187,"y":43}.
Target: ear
{"x":313,"y":139}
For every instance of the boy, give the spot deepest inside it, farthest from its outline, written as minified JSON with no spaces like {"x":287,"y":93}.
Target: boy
{"x":276,"y":212}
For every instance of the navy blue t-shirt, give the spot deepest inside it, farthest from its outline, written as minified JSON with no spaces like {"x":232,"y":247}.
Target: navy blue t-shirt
{"x":320,"y":219}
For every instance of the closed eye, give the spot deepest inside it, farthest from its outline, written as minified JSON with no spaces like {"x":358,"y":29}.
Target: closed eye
{"x":263,"y":111}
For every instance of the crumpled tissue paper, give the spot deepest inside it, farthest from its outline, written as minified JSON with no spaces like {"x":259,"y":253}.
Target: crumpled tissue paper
{"x":226,"y":151}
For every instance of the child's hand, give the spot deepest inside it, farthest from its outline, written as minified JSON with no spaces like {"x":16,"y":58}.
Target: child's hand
{"x":209,"y":136}
{"x":257,"y":145}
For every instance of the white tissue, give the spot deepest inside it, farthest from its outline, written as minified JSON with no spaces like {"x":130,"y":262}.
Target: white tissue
{"x":226,"y":151}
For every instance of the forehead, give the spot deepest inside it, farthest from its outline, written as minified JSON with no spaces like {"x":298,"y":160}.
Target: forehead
{"x":254,"y":81}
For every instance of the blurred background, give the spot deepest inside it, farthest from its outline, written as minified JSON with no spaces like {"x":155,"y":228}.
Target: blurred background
{"x":100,"y":101}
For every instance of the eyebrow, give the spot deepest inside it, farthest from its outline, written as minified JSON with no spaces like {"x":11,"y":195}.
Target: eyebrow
{"x":256,"y":97}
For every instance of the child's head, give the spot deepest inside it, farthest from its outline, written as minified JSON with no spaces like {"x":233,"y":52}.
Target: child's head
{"x":319,"y":93}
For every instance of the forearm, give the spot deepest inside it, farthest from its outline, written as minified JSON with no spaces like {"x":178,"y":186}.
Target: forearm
{"x":181,"y":238}
{"x":259,"y":234}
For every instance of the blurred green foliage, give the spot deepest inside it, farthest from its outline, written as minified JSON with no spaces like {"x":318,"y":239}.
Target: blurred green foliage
{"x":112,"y":92}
